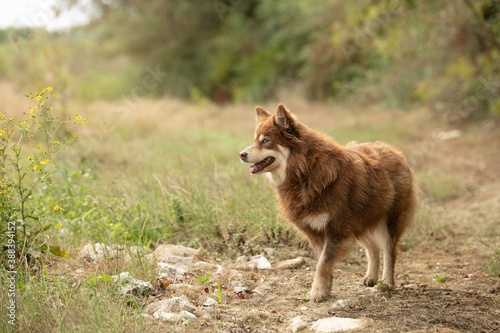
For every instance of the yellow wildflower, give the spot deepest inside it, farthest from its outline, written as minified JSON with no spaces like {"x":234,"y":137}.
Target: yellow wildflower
{"x":3,"y":169}
{"x":62,"y":209}
{"x":56,"y":207}
{"x":32,"y":110}
{"x":78,"y":117}
{"x":23,"y":122}
{"x":56,"y":142}
{"x":34,"y":167}
{"x":44,"y":162}
{"x":59,"y":225}
{"x":48,"y":88}
{"x":38,"y":97}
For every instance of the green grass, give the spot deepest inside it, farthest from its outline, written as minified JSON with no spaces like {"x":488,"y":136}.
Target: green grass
{"x":439,"y":185}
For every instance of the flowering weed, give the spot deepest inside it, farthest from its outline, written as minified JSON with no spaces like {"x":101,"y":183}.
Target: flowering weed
{"x":27,"y":149}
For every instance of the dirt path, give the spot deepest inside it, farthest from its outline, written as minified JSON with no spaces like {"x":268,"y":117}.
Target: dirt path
{"x":447,"y":280}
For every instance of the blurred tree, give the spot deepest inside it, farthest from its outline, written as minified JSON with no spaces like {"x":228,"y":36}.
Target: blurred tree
{"x":444,"y":53}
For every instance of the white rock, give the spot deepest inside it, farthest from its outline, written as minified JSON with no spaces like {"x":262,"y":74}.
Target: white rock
{"x":240,"y":289}
{"x":298,"y":324}
{"x":97,"y":252}
{"x":181,"y":287}
{"x":304,"y":308}
{"x":335,"y":324}
{"x":340,"y":304}
{"x":171,"y":270}
{"x":239,"y":286}
{"x":175,"y":304}
{"x":260,"y":262}
{"x":209,"y":301}
{"x":179,"y":260}
{"x":187,"y":315}
{"x":291,"y":264}
{"x":242,"y":259}
{"x":164,"y":251}
{"x":129,"y":285}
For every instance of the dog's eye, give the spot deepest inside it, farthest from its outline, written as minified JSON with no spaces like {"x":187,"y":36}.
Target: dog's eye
{"x":264,"y":141}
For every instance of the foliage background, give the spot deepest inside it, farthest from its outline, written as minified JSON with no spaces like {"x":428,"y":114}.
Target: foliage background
{"x":442,"y":53}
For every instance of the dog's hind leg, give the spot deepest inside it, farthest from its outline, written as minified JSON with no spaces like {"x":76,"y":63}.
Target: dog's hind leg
{"x":334,"y":248}
{"x":395,"y":227}
{"x":373,"y":256}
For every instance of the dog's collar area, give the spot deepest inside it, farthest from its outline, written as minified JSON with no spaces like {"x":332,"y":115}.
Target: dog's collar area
{"x":260,"y":166}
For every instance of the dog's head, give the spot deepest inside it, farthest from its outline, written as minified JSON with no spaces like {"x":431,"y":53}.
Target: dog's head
{"x":273,"y":138}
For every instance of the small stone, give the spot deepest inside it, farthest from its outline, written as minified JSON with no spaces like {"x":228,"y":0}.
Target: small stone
{"x":171,"y":270}
{"x":240,"y":289}
{"x":298,"y":324}
{"x":97,"y":252}
{"x":291,"y":264}
{"x":129,"y":285}
{"x":335,"y":324}
{"x":410,"y":286}
{"x":187,"y":315}
{"x":304,"y":308}
{"x":340,"y":304}
{"x":209,"y":301}
{"x":164,"y":251}
{"x":260,"y":262}
{"x":242,"y":259}
{"x":179,"y":260}
{"x":239,"y":286}
{"x":175,"y":304}
{"x":180,"y":287}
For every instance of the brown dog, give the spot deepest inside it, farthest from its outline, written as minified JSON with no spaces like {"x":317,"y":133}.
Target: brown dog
{"x":335,"y":195}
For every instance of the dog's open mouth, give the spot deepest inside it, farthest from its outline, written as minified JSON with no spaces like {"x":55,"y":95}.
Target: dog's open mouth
{"x":258,"y":167}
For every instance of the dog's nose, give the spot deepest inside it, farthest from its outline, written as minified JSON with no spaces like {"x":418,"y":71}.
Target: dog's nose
{"x":243,"y":155}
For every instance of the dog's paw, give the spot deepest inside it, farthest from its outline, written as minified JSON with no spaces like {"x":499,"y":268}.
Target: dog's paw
{"x":369,"y":281}
{"x":317,"y":295}
{"x":386,"y":287}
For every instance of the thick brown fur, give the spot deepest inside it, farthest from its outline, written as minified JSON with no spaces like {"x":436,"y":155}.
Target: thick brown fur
{"x":335,"y":195}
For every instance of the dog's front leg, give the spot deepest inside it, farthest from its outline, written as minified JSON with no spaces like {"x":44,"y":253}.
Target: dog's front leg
{"x":333,"y":250}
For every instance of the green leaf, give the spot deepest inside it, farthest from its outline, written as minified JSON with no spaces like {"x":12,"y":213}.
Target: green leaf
{"x":104,"y":278}
{"x":58,"y":251}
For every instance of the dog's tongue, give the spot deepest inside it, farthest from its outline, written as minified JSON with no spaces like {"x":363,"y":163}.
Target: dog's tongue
{"x":257,"y":167}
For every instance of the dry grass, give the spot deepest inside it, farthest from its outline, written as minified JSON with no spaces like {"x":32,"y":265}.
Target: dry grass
{"x":165,"y":170}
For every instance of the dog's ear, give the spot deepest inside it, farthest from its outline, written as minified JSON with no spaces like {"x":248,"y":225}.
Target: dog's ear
{"x":283,"y":117}
{"x":261,"y":113}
